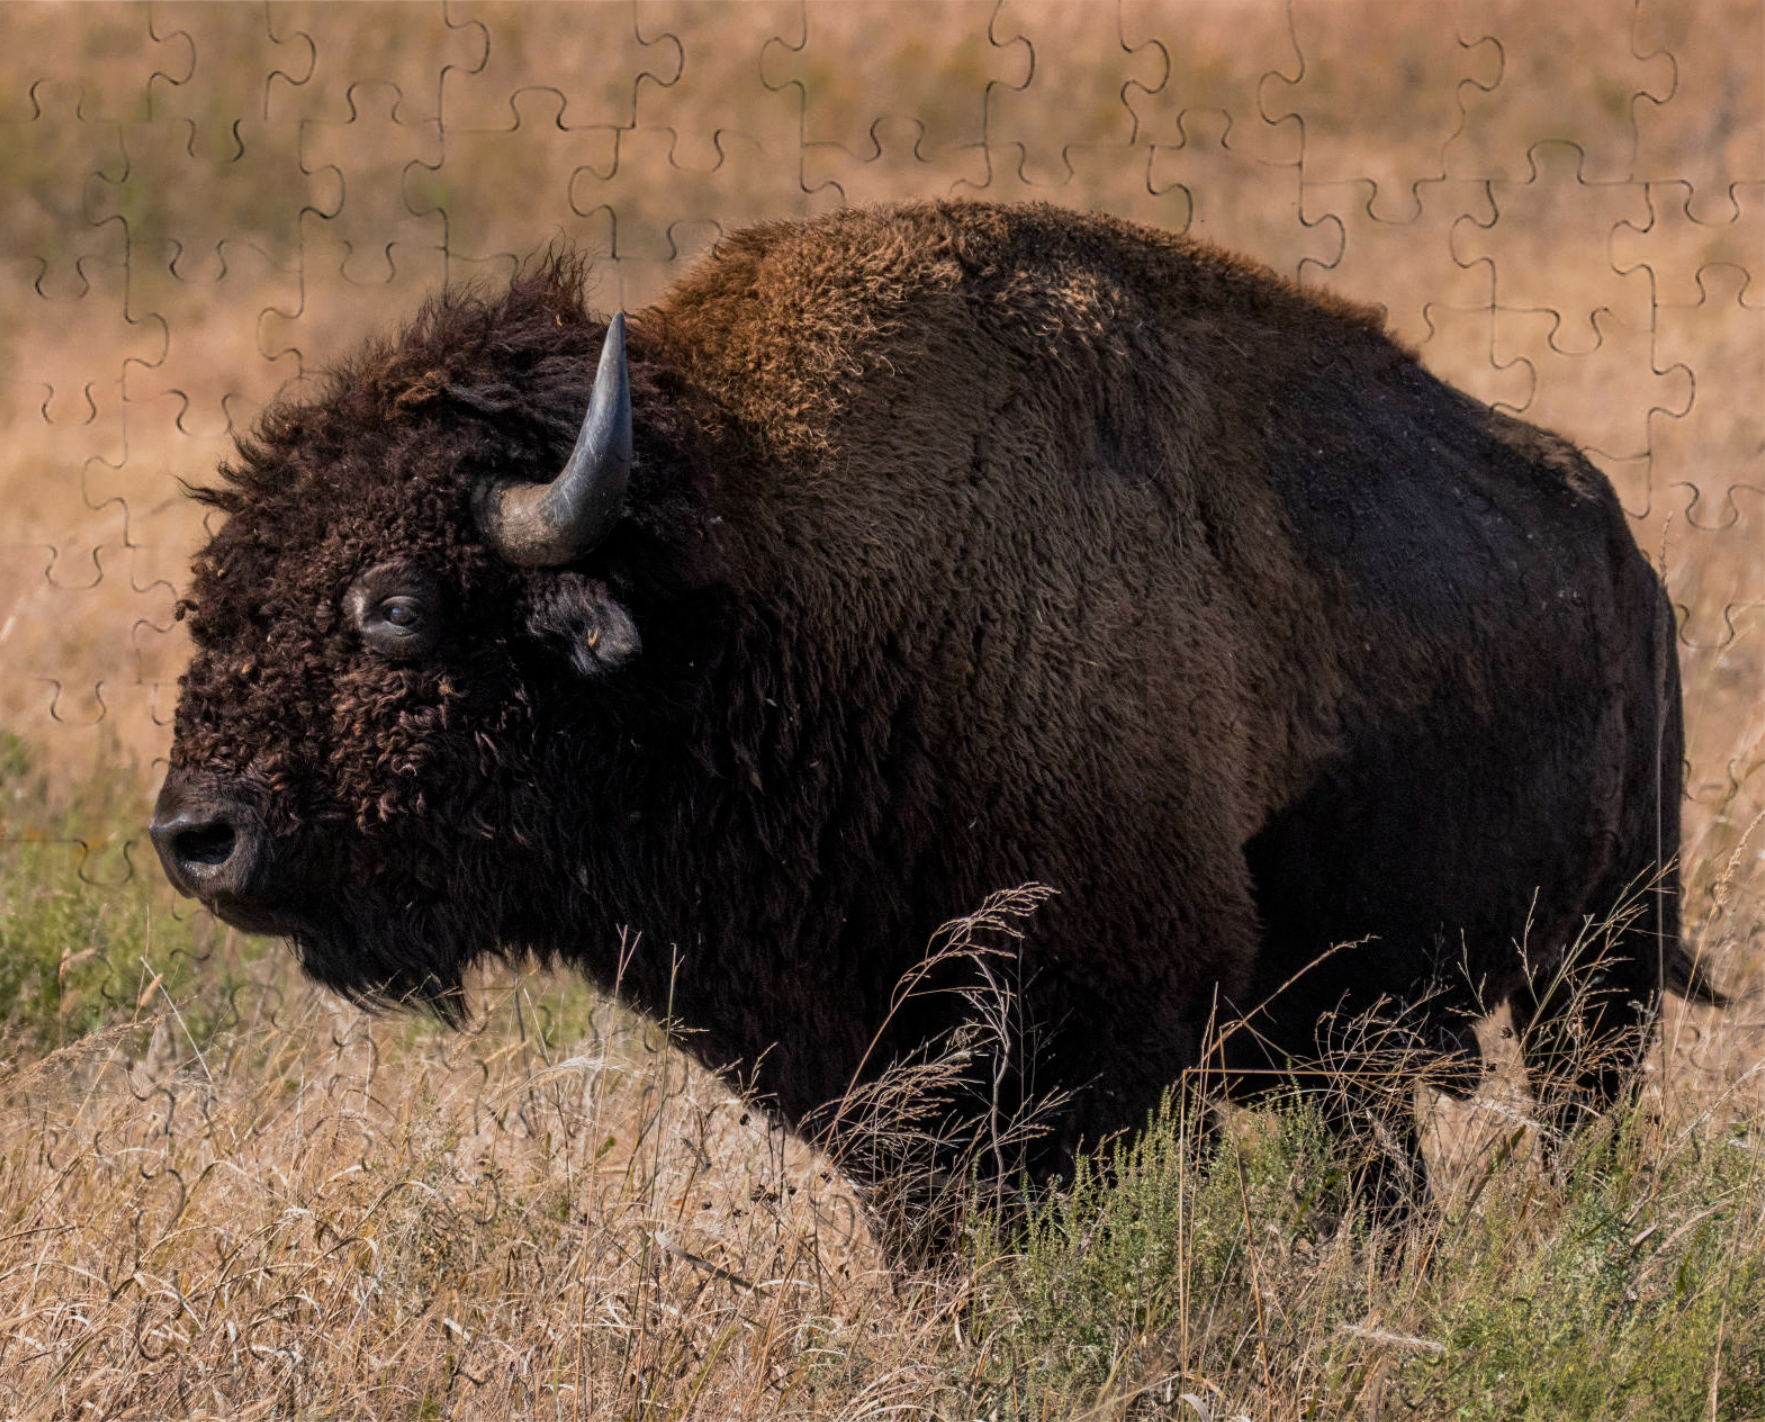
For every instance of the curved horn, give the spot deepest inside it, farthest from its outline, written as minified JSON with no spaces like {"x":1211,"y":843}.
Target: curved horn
{"x":548,"y":525}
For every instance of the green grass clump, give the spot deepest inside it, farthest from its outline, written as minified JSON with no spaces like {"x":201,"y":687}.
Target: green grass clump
{"x":90,"y":933}
{"x":1628,"y":1282}
{"x":1180,"y":1255}
{"x":1633,"y":1287}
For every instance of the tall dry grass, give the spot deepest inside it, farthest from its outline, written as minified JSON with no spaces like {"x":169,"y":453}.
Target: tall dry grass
{"x":295,"y":1209}
{"x":314,"y":1214}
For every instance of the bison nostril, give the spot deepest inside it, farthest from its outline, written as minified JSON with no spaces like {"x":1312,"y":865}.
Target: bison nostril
{"x":209,"y":841}
{"x":205,"y":844}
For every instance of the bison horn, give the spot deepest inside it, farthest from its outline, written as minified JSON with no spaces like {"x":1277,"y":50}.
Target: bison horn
{"x":548,"y":525}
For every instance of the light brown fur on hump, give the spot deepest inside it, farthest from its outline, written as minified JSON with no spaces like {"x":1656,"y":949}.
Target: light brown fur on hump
{"x":786,"y":318}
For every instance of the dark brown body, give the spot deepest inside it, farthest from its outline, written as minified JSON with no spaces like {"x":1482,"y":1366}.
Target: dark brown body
{"x":966,"y":546}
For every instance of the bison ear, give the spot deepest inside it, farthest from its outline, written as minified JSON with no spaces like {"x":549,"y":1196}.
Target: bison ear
{"x":580,"y":618}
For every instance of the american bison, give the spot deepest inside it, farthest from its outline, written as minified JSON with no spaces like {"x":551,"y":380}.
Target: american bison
{"x":908,"y":554}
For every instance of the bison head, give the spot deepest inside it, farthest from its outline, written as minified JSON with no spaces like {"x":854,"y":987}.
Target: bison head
{"x":413,"y":629}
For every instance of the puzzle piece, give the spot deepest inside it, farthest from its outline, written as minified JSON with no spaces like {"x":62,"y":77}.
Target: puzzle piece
{"x":323,"y":51}
{"x":1074,"y":96}
{"x":1708,"y":130}
{"x":1568,"y":75}
{"x":1676,"y":248}
{"x":1127,"y":181}
{"x":1711,"y":454}
{"x":1204,"y":170}
{"x":1191,"y":34}
{"x":105,"y":57}
{"x":198,"y":236}
{"x":209,"y":371}
{"x":522,"y":53}
{"x":1573,"y":390}
{"x":86,"y":343}
{"x":718,"y":100}
{"x":1461,"y":348}
{"x":935,"y":85}
{"x":57,"y":552}
{"x":651,"y":238}
{"x":481,"y":197}
{"x":81,"y":614}
{"x":178,"y":205}
{"x":1709,"y":545}
{"x":128,"y":484}
{"x":1405,"y":267}
{"x":894,"y":160}
{"x":164,"y":451}
{"x":373,"y":184}
{"x":1716,"y":441}
{"x":160,"y":645}
{"x":334,"y":313}
{"x":53,"y":153}
{"x":1150,"y":166}
{"x":1550,"y":208}
{"x":212,"y":69}
{"x":1388,"y":123}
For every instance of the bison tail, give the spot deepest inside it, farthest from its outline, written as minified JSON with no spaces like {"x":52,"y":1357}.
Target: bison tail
{"x":1681,"y":974}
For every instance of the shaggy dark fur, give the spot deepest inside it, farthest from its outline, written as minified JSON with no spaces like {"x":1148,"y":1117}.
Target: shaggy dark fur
{"x":967,"y":546}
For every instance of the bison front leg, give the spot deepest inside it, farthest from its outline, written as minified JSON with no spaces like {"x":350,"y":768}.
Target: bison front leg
{"x":1362,"y":1070}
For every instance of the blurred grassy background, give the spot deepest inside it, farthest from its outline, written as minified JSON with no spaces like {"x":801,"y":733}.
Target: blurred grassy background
{"x":1561,"y":208}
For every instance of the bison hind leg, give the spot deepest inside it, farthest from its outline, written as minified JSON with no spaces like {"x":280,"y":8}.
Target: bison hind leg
{"x":1583,"y":1043}
{"x":1586,"y":1025}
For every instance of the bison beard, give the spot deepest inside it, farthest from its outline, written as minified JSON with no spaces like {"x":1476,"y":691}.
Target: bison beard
{"x":962,"y":547}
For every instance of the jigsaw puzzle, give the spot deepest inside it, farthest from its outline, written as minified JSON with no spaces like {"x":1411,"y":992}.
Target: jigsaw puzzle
{"x":1561,"y":209}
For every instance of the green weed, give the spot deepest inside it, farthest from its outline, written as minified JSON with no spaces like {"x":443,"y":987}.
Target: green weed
{"x":1628,"y":1284}
{"x":90,"y":933}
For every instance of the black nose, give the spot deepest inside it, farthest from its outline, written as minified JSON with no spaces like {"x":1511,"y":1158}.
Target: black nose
{"x":208,"y":841}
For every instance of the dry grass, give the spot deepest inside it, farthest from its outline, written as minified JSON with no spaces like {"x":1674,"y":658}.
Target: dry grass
{"x":256,"y":1202}
{"x":300,"y":1210}
{"x":312,"y":1212}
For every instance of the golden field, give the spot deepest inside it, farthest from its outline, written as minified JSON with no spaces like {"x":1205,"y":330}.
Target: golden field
{"x":223,"y":1193}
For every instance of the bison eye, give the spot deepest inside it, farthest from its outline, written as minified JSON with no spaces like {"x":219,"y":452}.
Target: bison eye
{"x":395,"y":611}
{"x":397,"y":627}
